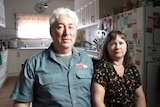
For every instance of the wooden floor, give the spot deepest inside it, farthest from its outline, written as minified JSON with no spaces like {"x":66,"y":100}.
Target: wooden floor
{"x":5,"y":92}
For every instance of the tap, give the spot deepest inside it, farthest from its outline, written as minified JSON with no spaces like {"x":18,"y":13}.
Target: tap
{"x":89,"y":43}
{"x":42,"y":44}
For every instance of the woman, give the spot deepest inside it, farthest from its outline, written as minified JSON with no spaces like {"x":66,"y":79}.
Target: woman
{"x":116,"y":81}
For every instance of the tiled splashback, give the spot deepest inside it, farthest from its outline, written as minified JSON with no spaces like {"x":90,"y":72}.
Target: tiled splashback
{"x":7,"y":34}
{"x":34,"y":43}
{"x":86,"y":36}
{"x":92,"y":37}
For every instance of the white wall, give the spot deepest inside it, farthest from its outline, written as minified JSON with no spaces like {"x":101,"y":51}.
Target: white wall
{"x":1,"y":1}
{"x":26,"y":6}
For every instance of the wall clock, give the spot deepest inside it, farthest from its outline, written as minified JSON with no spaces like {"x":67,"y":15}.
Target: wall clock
{"x":39,"y":7}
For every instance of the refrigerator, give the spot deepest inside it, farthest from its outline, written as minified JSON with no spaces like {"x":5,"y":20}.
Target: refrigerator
{"x":142,"y":27}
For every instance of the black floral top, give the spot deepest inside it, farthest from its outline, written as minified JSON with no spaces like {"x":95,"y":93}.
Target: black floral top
{"x":119,"y":91}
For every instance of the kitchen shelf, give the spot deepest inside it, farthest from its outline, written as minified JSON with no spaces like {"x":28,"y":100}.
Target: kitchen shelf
{"x":88,"y":25}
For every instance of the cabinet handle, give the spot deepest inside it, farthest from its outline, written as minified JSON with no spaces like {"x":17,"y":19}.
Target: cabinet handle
{"x":18,"y":54}
{"x":83,"y":21}
{"x":92,"y":19}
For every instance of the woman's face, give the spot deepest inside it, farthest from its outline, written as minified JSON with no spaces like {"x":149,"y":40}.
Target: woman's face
{"x":63,"y":32}
{"x":117,"y":48}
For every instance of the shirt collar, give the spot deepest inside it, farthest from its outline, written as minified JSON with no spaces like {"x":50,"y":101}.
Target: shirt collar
{"x":52,"y":54}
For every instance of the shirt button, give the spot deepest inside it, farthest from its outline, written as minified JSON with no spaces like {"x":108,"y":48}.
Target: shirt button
{"x":74,"y":101}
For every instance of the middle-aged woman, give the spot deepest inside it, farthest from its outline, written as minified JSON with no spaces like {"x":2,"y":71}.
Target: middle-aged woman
{"x":116,"y":81}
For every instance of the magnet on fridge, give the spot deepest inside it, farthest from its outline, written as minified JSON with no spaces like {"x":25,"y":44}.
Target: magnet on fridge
{"x":149,"y":30}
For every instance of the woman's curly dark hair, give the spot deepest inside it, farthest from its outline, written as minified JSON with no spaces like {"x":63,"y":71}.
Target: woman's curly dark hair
{"x":111,"y":36}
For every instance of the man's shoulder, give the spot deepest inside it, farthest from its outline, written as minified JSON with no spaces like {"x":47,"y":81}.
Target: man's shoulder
{"x":39,"y":55}
{"x":78,"y":50}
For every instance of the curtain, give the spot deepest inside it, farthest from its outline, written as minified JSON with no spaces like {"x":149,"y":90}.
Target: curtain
{"x":32,"y":26}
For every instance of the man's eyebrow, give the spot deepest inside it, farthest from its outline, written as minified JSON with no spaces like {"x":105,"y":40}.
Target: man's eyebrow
{"x":60,"y":24}
{"x":64,"y":24}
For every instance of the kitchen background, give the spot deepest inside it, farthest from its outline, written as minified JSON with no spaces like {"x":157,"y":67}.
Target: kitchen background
{"x":97,"y":17}
{"x":11,"y":8}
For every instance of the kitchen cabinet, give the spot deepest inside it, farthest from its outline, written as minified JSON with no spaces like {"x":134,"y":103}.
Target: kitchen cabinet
{"x":17,"y":57}
{"x":33,"y":51}
{"x":2,"y":14}
{"x":90,"y":11}
{"x":3,"y":67}
{"x":87,"y":12}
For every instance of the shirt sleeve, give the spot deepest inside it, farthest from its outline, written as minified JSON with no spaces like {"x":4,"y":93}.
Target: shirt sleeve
{"x":23,"y":90}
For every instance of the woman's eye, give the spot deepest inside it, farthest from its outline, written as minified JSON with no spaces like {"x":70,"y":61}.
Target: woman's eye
{"x":111,"y":44}
{"x":121,"y":43}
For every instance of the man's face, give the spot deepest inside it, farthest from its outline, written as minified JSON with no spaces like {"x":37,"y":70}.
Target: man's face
{"x":63,"y":32}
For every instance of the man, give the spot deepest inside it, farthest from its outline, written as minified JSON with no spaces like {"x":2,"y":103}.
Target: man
{"x":59,"y":76}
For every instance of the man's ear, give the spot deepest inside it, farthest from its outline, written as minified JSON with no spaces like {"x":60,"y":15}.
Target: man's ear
{"x":50,"y":30}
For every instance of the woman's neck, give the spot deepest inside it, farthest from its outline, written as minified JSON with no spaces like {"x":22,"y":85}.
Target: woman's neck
{"x":118,"y":63}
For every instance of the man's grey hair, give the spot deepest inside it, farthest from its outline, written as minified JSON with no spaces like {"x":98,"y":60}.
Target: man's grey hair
{"x":63,"y":11}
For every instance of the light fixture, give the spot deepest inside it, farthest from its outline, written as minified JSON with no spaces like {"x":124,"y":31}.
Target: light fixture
{"x":45,"y":5}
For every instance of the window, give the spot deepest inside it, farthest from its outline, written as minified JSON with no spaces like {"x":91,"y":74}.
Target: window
{"x":32,"y":26}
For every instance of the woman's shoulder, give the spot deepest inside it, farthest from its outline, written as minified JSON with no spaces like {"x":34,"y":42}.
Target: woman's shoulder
{"x":132,"y":65}
{"x":102,"y":63}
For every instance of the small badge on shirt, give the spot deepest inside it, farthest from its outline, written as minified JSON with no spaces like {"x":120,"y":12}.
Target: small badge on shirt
{"x":81,"y":66}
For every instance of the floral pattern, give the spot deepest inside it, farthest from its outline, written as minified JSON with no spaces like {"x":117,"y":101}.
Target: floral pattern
{"x":119,"y":91}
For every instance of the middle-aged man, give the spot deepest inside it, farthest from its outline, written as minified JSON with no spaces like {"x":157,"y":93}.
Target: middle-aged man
{"x":59,"y":76}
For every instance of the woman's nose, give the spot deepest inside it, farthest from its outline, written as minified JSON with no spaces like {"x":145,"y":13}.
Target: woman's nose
{"x":117,"y":45}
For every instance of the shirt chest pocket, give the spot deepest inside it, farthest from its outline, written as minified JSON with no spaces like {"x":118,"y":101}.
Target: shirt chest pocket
{"x":83,"y":74}
{"x":83,"y":79}
{"x":48,"y":79}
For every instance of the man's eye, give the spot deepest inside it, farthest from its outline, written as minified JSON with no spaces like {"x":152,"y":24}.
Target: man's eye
{"x":60,"y":27}
{"x":71,"y":27}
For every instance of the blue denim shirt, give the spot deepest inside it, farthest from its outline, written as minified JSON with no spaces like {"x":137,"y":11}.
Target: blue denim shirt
{"x":47,"y":82}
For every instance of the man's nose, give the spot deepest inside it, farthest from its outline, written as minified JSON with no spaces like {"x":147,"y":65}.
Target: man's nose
{"x":66,"y":30}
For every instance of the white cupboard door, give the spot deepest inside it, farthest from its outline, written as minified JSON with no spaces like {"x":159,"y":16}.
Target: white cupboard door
{"x":34,"y":51}
{"x":23,"y":55}
{"x":12,"y":62}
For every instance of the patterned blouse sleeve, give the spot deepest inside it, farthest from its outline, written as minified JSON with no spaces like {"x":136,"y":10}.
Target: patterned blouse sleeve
{"x":100,"y":74}
{"x":137,"y":76}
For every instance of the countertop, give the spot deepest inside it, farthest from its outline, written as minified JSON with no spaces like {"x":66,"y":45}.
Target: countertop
{"x":33,"y":47}
{"x":92,"y":53}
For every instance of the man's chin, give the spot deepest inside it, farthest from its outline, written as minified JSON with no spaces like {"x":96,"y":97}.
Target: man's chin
{"x":67,"y":46}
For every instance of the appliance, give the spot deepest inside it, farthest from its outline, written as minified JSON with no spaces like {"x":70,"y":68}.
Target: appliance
{"x":13,"y":43}
{"x":142,"y":27}
{"x":105,"y":25}
{"x":41,"y":5}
